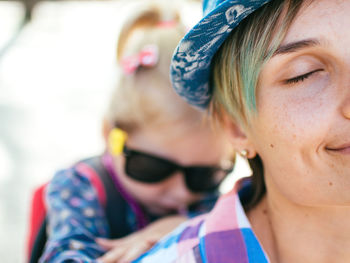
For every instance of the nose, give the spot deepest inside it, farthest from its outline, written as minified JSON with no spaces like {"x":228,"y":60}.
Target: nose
{"x":178,"y":190}
{"x":346,"y":108}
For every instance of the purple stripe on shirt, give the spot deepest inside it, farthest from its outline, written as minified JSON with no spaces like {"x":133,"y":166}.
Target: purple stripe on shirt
{"x":197,"y":254}
{"x":231,"y":244}
{"x":190,"y":232}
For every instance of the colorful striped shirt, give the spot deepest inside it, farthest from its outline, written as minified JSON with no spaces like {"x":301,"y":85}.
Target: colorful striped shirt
{"x":222,"y":236}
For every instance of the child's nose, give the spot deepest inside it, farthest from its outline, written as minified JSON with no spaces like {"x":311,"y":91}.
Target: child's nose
{"x":179,"y":190}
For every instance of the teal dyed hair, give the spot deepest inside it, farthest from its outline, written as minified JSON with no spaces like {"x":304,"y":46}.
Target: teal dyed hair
{"x":237,"y":64}
{"x":236,"y":68}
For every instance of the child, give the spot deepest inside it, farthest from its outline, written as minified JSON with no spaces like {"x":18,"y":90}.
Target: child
{"x":161,"y":154}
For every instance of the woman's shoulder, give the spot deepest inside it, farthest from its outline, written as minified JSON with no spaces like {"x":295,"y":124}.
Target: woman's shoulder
{"x":177,"y":245}
{"x":223,"y":235}
{"x":187,"y":242}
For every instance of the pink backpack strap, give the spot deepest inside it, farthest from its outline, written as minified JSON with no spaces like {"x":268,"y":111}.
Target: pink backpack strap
{"x":95,"y":180}
{"x":37,"y":215}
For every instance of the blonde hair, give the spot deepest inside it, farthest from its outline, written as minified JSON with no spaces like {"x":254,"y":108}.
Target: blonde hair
{"x":145,"y":97}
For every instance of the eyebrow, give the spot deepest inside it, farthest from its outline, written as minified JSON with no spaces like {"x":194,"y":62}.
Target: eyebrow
{"x":296,"y":46}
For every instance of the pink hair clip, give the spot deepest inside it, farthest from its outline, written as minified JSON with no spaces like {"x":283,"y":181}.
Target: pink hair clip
{"x":147,"y":57}
{"x":167,"y":23}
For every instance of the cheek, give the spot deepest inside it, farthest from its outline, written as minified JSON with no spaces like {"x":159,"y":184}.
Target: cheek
{"x":293,"y":118}
{"x":292,"y":126}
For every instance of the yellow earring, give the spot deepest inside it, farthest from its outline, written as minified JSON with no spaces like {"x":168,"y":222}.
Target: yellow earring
{"x":116,"y":141}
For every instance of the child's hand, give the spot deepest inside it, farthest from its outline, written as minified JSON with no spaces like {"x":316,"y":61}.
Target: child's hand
{"x":123,"y":250}
{"x":128,"y":248}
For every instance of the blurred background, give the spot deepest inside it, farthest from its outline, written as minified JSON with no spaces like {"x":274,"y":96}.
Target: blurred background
{"x":57,"y":70}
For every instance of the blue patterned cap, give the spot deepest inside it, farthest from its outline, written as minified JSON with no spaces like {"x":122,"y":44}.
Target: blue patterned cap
{"x":190,"y":68}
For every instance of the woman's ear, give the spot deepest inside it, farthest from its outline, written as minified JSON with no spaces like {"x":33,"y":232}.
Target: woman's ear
{"x":238,"y":137}
{"x":106,"y":128}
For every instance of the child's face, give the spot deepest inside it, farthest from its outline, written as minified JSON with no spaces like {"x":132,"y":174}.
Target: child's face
{"x":196,"y":147}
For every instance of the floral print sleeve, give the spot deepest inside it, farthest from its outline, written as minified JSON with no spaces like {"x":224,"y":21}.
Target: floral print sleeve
{"x":75,"y":219}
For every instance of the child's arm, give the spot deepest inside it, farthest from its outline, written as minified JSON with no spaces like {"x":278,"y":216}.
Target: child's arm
{"x":132,"y":246}
{"x":75,"y":219}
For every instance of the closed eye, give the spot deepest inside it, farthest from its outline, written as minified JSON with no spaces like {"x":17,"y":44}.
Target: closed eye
{"x":301,"y":77}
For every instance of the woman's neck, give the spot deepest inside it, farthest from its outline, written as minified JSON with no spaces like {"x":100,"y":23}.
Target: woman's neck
{"x":292,"y":233}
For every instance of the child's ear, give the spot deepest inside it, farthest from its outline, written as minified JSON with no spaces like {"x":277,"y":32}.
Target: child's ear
{"x":106,"y":128}
{"x":238,"y":137}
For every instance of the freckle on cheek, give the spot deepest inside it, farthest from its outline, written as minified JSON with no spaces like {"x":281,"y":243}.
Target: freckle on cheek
{"x":330,"y":183}
{"x":271,"y":145}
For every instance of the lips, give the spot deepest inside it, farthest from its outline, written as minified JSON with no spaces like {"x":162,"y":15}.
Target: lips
{"x":344,"y":148}
{"x":170,"y":207}
{"x":161,"y":210}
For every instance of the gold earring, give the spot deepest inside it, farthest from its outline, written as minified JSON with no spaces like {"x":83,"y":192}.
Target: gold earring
{"x":244,"y":153}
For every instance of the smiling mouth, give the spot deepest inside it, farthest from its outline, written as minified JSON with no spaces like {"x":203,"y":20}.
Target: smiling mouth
{"x":342,"y":149}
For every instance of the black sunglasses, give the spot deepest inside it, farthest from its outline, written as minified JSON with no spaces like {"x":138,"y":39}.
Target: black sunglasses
{"x":148,"y":168}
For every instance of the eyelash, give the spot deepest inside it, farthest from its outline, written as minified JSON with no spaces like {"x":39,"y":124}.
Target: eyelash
{"x":301,"y":77}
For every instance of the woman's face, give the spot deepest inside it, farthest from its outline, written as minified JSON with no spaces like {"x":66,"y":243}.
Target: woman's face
{"x":186,"y":147}
{"x":302,"y":130}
